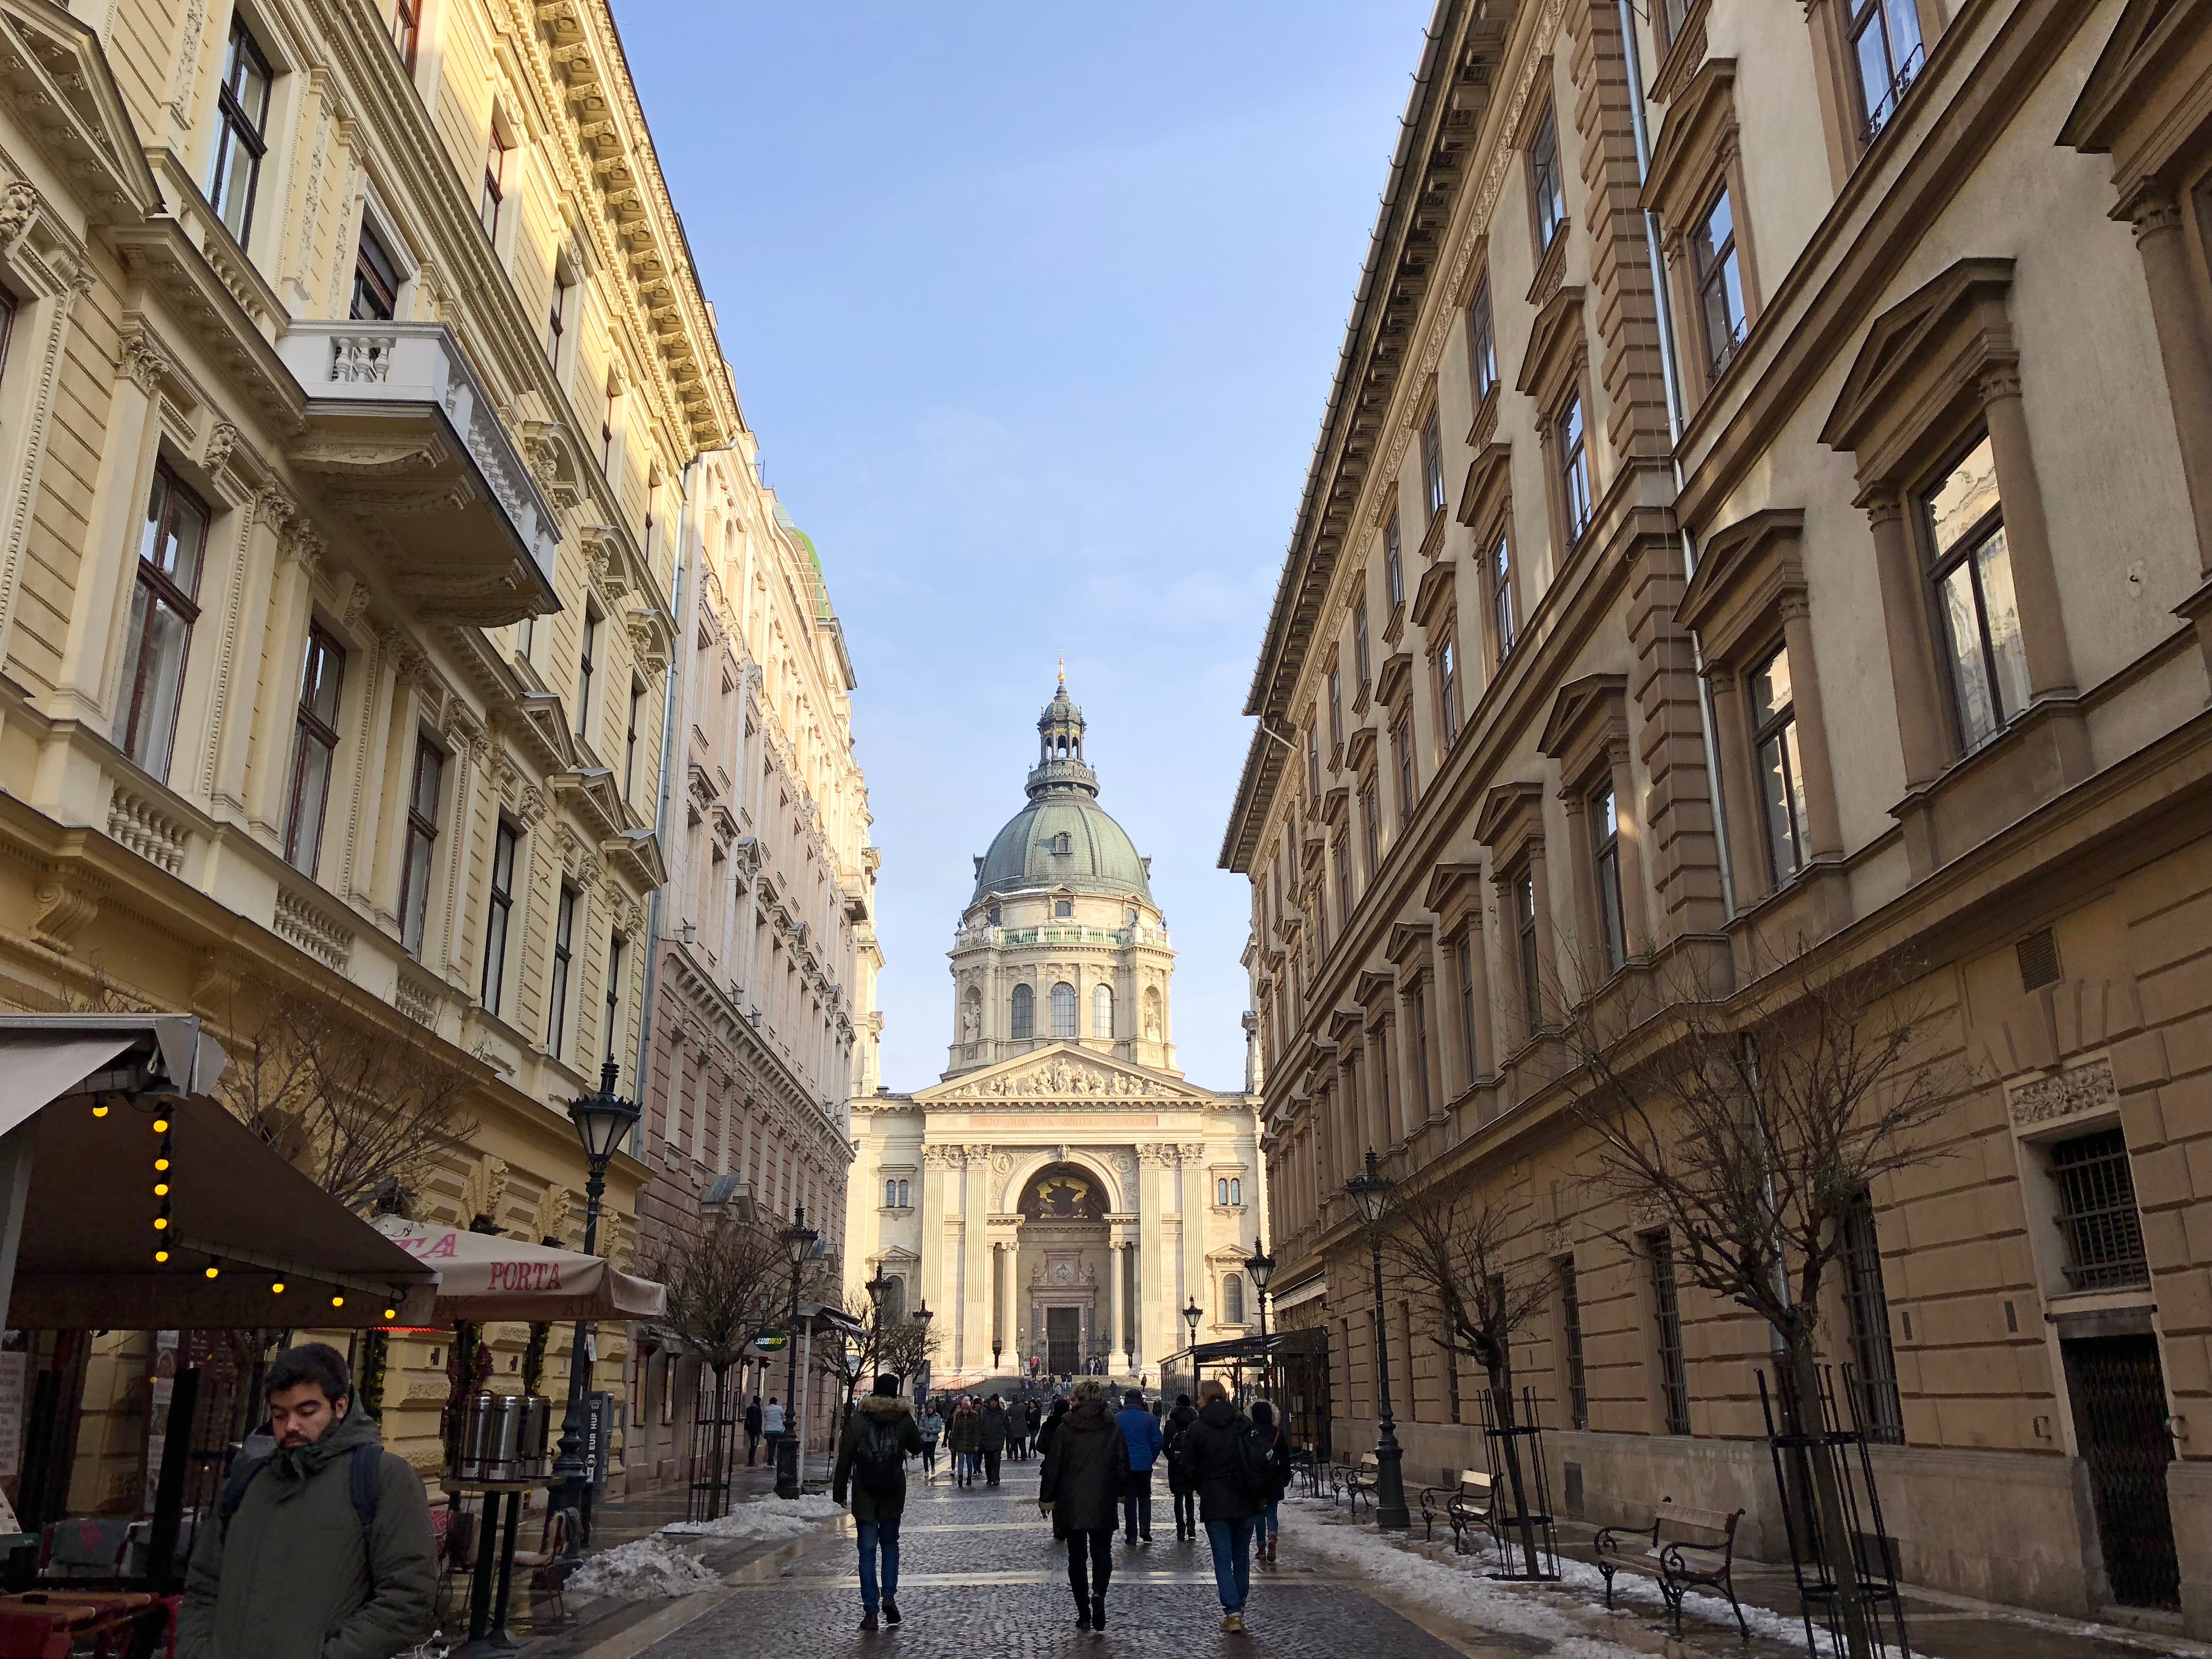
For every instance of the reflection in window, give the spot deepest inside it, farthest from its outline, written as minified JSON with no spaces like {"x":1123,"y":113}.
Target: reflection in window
{"x":242,"y":135}
{"x":1401,"y":756}
{"x":314,"y":742}
{"x":1370,"y":820}
{"x":1101,"y":1011}
{"x":1447,"y":690}
{"x":1482,"y":343}
{"x":1884,"y":48}
{"x":1547,"y":183}
{"x":1336,"y":707}
{"x":1781,"y":774}
{"x":1974,"y":595}
{"x":1501,"y":597}
{"x":564,"y":948}
{"x":1432,"y":465}
{"x":1024,"y":1024}
{"x":1393,"y":566}
{"x":164,"y":606}
{"x":1574,"y":469}
{"x":505,"y":841}
{"x":1063,"y":1010}
{"x":1524,"y":931}
{"x":375,"y":280}
{"x":1720,"y":282}
{"x":1360,"y":640}
{"x":1605,"y":825}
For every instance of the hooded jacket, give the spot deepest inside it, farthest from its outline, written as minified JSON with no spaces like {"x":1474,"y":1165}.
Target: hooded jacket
{"x":1084,"y":1470}
{"x":1050,"y":1426}
{"x":1141,"y":1430}
{"x":931,"y":1425}
{"x":289,"y":1575}
{"x":993,"y":1427}
{"x":1179,"y":1421}
{"x":890,"y":1410}
{"x":1210,"y":1449}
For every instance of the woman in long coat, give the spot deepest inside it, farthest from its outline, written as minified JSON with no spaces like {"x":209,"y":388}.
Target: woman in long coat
{"x":1085,"y":1467}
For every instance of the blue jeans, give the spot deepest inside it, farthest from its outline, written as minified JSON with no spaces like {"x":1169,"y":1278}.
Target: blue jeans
{"x":1274,"y":1526}
{"x":875,"y":1534}
{"x":1232,"y":1560}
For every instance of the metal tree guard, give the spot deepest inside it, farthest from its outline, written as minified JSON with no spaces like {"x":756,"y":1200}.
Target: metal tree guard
{"x":1513,"y":1445}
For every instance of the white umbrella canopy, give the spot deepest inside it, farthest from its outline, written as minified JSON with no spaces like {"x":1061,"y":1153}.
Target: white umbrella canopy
{"x":483,"y":1276}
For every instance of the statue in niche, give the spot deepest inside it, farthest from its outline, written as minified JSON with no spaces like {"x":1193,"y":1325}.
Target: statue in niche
{"x":971,"y":1024}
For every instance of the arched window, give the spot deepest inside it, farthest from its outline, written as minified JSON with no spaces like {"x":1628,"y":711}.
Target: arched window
{"x":1024,"y":1011}
{"x":903,"y":1190}
{"x":1232,"y":1298}
{"x":1236,"y":1190}
{"x":1221,"y":1190}
{"x":1101,"y":1011}
{"x":1063,"y":1010}
{"x":890,"y":1194}
{"x":893,"y":1299}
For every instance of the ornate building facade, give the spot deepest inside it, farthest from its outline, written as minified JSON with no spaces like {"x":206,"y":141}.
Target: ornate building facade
{"x":1760,"y":527}
{"x":763,"y":1006}
{"x":1062,"y":1191}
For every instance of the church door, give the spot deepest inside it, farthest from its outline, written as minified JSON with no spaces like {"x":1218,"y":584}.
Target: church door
{"x":1063,"y":1339}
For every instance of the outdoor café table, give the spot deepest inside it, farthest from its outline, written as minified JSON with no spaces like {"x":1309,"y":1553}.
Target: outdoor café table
{"x":488,"y":1634}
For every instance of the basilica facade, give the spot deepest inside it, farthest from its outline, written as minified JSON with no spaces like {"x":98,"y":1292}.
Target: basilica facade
{"x":1061,"y":1193}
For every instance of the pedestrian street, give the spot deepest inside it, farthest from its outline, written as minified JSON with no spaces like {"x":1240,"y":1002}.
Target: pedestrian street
{"x":982,"y":1577}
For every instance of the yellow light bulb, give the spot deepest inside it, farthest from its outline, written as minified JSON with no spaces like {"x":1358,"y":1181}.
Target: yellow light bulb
{"x":161,"y":1125}
{"x":337,"y":1301}
{"x":161,"y":1189}
{"x":392,"y":1313}
{"x":277,"y":1288}
{"x":160,"y":1223}
{"x":100,"y":1111}
{"x":160,"y":1163}
{"x":213,"y":1270}
{"x":160,"y":1255}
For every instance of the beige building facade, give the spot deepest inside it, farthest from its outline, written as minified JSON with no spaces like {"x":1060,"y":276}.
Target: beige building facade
{"x":763,"y":1013}
{"x":353,"y":361}
{"x":1062,"y":1192}
{"x":1760,"y":524}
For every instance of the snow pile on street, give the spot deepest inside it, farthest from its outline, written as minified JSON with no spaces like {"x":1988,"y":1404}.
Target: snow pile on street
{"x":642,"y":1568}
{"x":763,"y":1518}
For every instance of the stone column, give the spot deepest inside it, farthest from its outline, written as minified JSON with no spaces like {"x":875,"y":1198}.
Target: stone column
{"x":975,"y":1286}
{"x":1151,"y":1294}
{"x":1920,"y":729}
{"x":1738,"y":783}
{"x":1117,"y":1355}
{"x":1824,"y":828}
{"x":932,"y":1288}
{"x":283,"y":647}
{"x":1192,"y":1189}
{"x":2160,"y":239}
{"x":1634,"y":910}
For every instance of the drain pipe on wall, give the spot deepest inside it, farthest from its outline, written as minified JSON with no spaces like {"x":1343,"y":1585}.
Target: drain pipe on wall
{"x":1671,"y":378}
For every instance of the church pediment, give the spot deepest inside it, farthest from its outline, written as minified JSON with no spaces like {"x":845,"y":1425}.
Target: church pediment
{"x":1062,"y":1074}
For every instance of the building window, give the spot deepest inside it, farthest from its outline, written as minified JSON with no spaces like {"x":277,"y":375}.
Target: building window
{"x":1886,"y":50}
{"x":1466,"y":965}
{"x":1393,"y":566}
{"x":314,"y":745}
{"x":564,"y":944}
{"x":1501,"y":596}
{"x":1063,"y":844}
{"x":586,"y":667}
{"x":1867,"y":1308}
{"x":612,"y":1012}
{"x":422,"y":843}
{"x":1673,"y":1380}
{"x":406,"y":30}
{"x":1371,"y":819}
{"x":556,"y":319}
{"x":1101,"y":1011}
{"x":241,"y":138}
{"x":1547,"y":185}
{"x":1605,"y":825}
{"x":1335,"y":708}
{"x":375,"y":280}
{"x":1482,"y":345}
{"x":164,"y":606}
{"x":1720,"y":282}
{"x":1781,"y":775}
{"x":1974,"y":595}
{"x":1402,"y":759}
{"x":1063,"y":909}
{"x":1360,"y":640}
{"x":1063,"y":1010}
{"x":1574,"y":469}
{"x":505,"y":840}
{"x":1417,"y":1049}
{"x":1570,"y":1331}
{"x":1343,"y":879}
{"x":1313,"y":761}
{"x":1221,"y":1189}
{"x":1447,"y":690}
{"x":1432,"y":465}
{"x":1232,"y":1298}
{"x":630,"y":737}
{"x":495,"y":180}
{"x":1024,"y":1024}
{"x":1524,"y":936}
{"x":2097,"y":1212}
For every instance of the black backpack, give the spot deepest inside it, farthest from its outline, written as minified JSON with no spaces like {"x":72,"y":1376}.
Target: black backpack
{"x":364,"y":1464}
{"x":1252,"y":1464}
{"x":879,"y":1459}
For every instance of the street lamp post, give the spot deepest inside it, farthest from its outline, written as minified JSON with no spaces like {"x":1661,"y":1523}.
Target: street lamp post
{"x":1191,"y":1315}
{"x":922,"y":1316}
{"x":798,"y":1239}
{"x":1370,"y":1191}
{"x":1262,"y":1266}
{"x":602,"y":1121}
{"x":877,"y":1289}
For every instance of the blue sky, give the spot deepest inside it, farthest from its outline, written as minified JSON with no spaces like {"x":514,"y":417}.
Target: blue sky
{"x":1034,"y":308}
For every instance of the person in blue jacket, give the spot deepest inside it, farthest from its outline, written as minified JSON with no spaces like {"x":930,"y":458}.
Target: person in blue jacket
{"x":1141,"y":1430}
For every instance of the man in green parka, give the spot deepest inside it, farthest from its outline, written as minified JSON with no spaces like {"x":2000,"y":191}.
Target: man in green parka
{"x":879,"y":1436}
{"x":320,"y":1544}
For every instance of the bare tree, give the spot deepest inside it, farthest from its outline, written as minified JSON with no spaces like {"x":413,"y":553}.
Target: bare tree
{"x":360,"y":1111}
{"x":725,"y":1283}
{"x":1750,"y":1128}
{"x":900,"y":1346}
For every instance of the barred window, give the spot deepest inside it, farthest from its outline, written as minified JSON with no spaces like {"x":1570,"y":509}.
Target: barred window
{"x":1570,"y":1331}
{"x":2097,"y":1212}
{"x":1674,"y":1378}
{"x":1881,"y":1413}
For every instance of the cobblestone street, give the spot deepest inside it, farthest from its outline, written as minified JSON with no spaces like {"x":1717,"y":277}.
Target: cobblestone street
{"x":981,"y":1577}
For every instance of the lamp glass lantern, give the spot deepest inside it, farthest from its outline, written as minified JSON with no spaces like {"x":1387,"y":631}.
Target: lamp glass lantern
{"x":1260,"y":1266}
{"x":1370,"y":1191}
{"x":1191,"y":1315}
{"x":605,"y":1120}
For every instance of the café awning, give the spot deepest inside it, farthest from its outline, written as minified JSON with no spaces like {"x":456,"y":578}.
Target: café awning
{"x":485,"y":1276}
{"x":82,"y":1095}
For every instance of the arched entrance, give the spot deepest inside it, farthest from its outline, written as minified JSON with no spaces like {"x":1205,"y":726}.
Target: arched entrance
{"x":1062,"y":1268}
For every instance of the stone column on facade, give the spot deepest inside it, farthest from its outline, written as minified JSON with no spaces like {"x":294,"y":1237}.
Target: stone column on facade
{"x":283,"y":647}
{"x":1117,"y":1355}
{"x":1824,"y":826}
{"x":2028,"y":536}
{"x":2159,"y":224}
{"x":1919,"y":718}
{"x":1738,"y":784}
{"x":1589,"y":931}
{"x":236,"y":613}
{"x":1635,"y":909}
{"x":1150,"y":1292}
{"x":975,"y":1310}
{"x":935,"y":1160}
{"x":1193,"y":1186}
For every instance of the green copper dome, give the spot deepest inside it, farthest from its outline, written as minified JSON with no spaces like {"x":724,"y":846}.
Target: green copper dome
{"x":1063,"y":837}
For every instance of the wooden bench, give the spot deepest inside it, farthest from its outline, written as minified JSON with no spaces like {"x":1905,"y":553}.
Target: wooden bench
{"x":1359,"y":1481}
{"x":1684,"y":1548}
{"x":1468,"y":1506}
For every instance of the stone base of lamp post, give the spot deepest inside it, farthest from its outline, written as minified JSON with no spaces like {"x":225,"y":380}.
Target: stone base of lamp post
{"x":1390,"y":1510}
{"x":786,"y":1460}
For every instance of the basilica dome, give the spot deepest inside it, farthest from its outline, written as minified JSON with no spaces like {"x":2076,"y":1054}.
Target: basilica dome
{"x":1063,"y":837}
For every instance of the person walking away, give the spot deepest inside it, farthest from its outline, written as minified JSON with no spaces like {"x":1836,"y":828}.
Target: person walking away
{"x":1140,"y":1432}
{"x":966,"y":1439}
{"x":932,"y":1429}
{"x":1035,"y":1414}
{"x":880,"y":1435}
{"x":323,"y":1546}
{"x":1266,"y":1432}
{"x":753,"y":1430}
{"x":1179,"y":1487}
{"x":1050,"y":1426}
{"x":1017,"y":1425}
{"x":1229,"y":1474}
{"x":1086,"y":1466}
{"x":772,"y":1426}
{"x":993,"y":1434}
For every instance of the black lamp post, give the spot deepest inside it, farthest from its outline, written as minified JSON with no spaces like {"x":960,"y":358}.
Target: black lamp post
{"x":877,"y":1289}
{"x":922,"y":1316}
{"x":1192,"y":1314}
{"x":1370,"y":1191}
{"x":603,"y":1123}
{"x":1262,"y":1266}
{"x":798,"y":1240}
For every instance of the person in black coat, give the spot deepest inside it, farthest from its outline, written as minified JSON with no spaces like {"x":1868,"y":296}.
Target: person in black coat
{"x":1212,"y":1449}
{"x":1265,"y":1429}
{"x":1179,"y":1486}
{"x":1086,"y":1465}
{"x":752,"y":1431}
{"x":1051,"y":1424}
